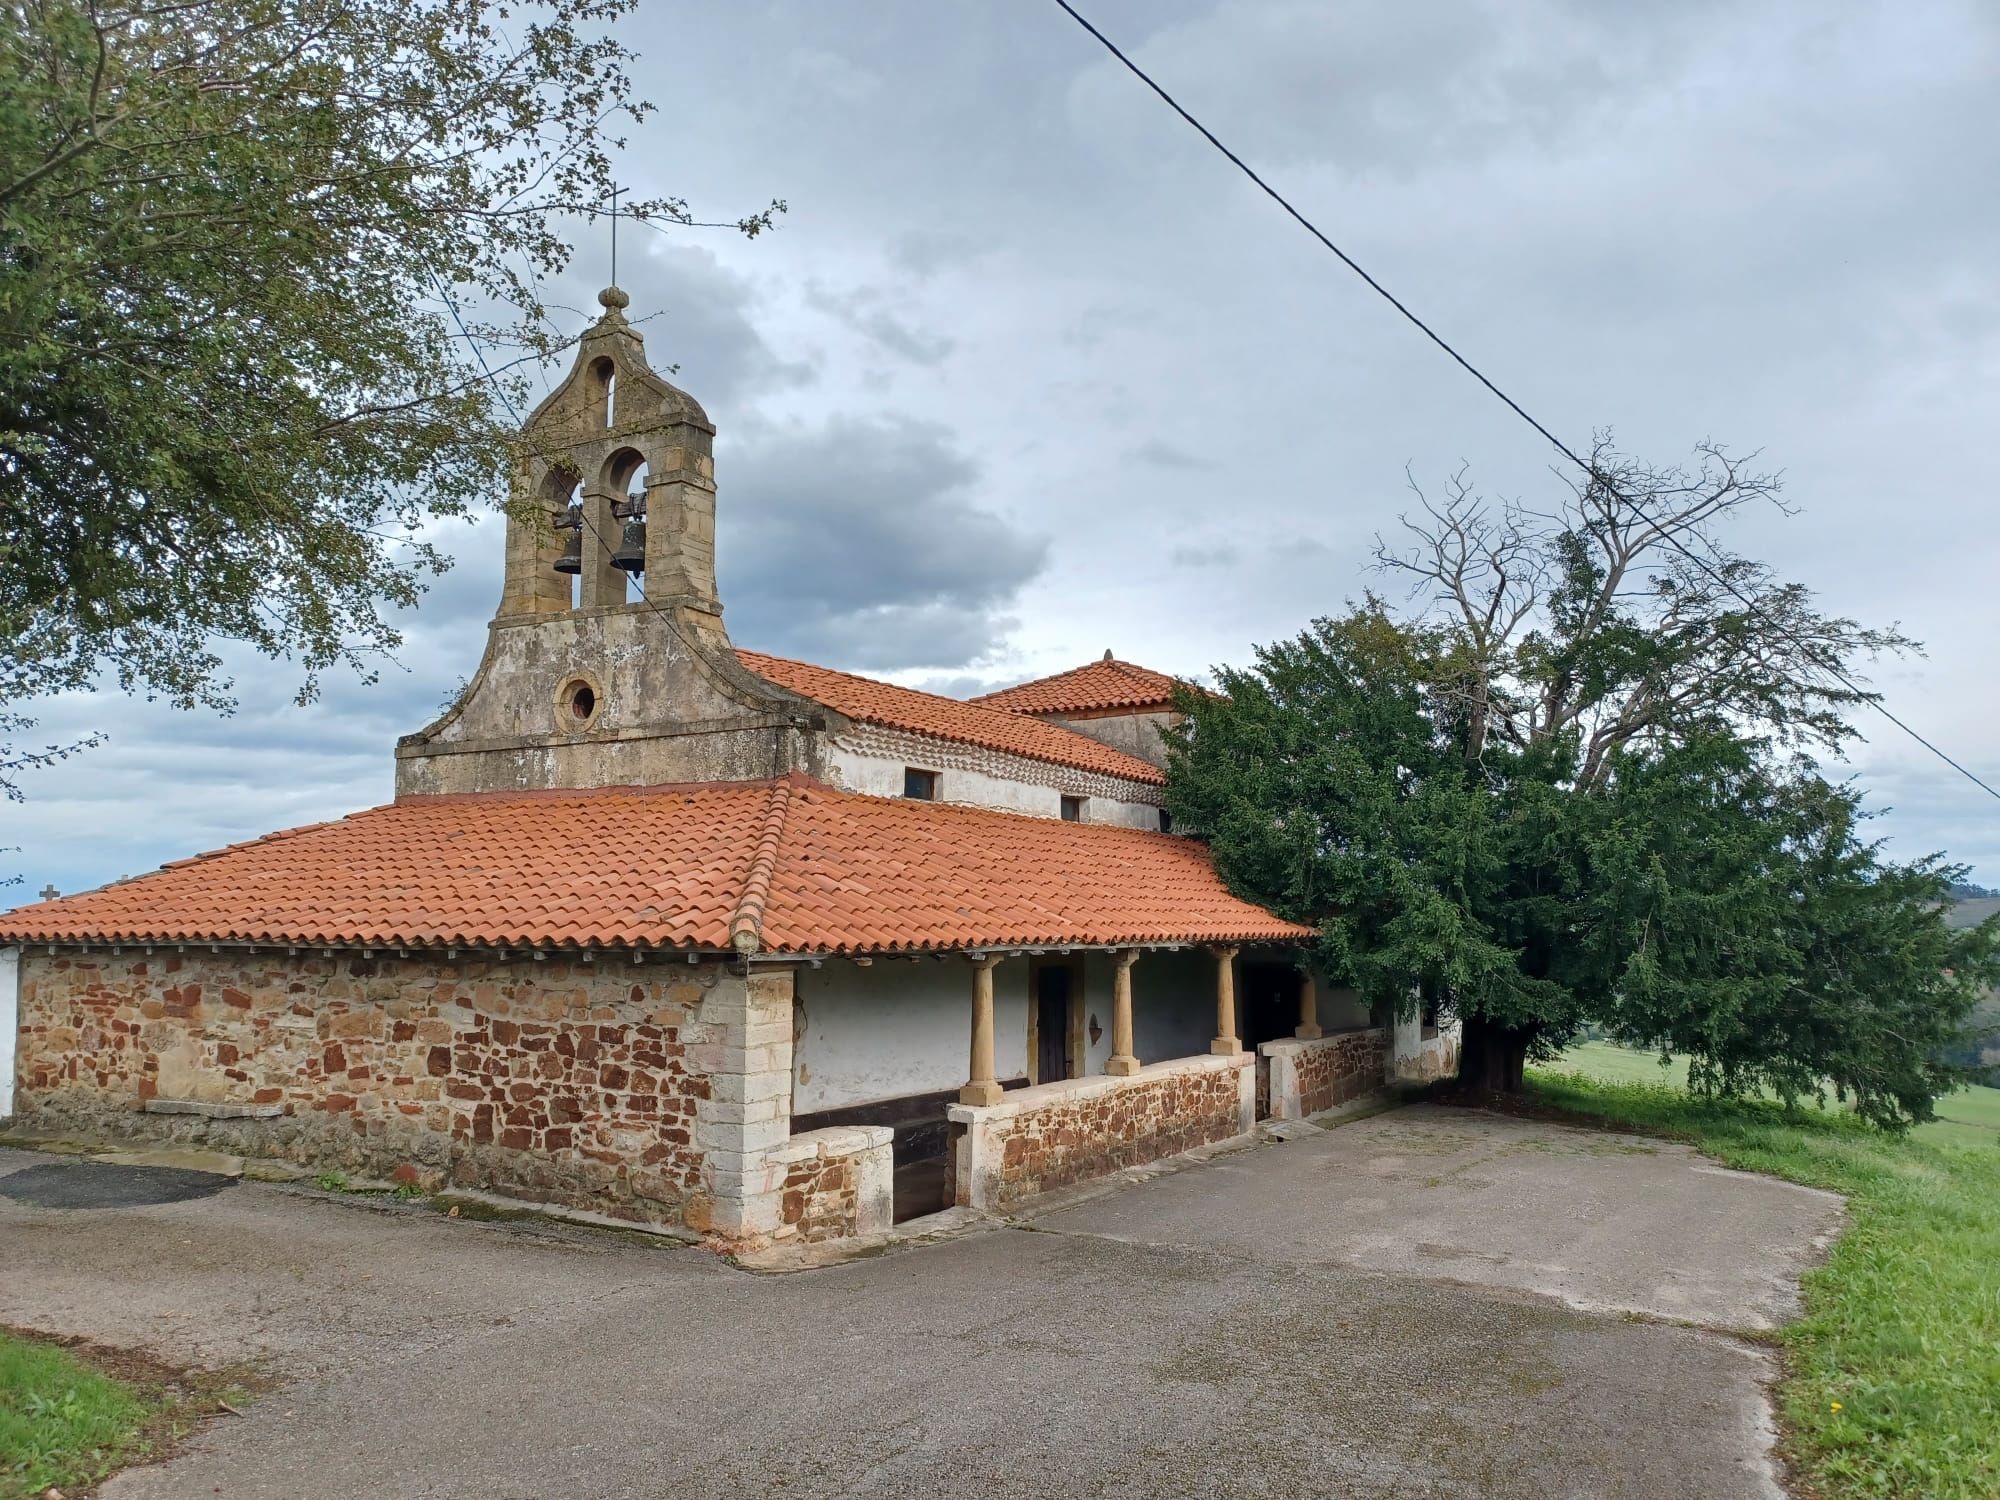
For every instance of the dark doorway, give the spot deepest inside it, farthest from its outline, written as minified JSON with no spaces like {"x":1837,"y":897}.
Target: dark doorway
{"x":1267,"y":1009}
{"x":1054,"y":991}
{"x":1267,"y":1003}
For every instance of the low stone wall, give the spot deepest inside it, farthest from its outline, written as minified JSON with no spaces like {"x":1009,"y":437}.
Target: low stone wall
{"x":1313,"y":1076}
{"x":839,"y":1183}
{"x":564,"y":1081}
{"x":1054,"y":1134}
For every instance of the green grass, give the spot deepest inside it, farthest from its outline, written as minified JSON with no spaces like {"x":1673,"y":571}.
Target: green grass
{"x":63,"y":1423}
{"x":1892,"y":1384}
{"x":1970,"y":1117}
{"x":68,"y":1418}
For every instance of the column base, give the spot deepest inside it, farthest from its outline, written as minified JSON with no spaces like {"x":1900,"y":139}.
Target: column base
{"x":1225,"y":1046}
{"x":1309,"y":1033}
{"x":1122,"y":1067}
{"x":980,"y":1093}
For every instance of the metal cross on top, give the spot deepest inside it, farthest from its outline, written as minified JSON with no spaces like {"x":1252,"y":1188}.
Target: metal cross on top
{"x":615,"y":191}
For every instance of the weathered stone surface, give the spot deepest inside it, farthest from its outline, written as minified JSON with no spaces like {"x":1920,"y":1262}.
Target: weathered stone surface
{"x":1312,"y":1076}
{"x":838,"y":1183}
{"x":557,"y":1080}
{"x":1055,"y":1134}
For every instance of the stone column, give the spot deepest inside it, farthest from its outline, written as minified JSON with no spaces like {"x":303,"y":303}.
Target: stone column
{"x":1308,"y":1006}
{"x":602,"y":584}
{"x":1226,"y":1043}
{"x":1121,"y":1063}
{"x":981,"y":1087}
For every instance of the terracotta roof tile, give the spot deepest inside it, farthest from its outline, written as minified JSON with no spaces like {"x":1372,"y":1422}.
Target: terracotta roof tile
{"x":884,"y":703}
{"x":794,"y":865}
{"x":1105,"y":683}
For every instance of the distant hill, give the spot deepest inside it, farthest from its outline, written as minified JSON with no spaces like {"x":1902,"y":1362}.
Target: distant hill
{"x":1983,"y":1026}
{"x":1972,"y":910}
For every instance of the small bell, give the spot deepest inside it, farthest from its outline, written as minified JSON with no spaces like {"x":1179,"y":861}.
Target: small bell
{"x":571,"y":560}
{"x":631,"y":553}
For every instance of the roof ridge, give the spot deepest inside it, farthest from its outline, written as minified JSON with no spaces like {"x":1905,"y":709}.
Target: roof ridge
{"x":746,"y":923}
{"x":978,"y":723}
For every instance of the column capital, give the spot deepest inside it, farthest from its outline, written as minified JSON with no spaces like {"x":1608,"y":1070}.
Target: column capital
{"x":1125,"y":957}
{"x":1225,"y":950}
{"x":984,"y":960}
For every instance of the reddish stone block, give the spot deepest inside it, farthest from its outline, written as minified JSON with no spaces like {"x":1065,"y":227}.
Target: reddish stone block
{"x":265,"y":1096}
{"x":515,"y":1138}
{"x":236,"y":998}
{"x":438,"y":1062}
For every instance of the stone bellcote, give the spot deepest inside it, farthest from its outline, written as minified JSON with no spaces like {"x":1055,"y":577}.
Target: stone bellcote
{"x":592,"y":677}
{"x":614,"y":428}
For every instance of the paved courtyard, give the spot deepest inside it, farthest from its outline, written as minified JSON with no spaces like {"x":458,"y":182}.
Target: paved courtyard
{"x":1428,"y":1302}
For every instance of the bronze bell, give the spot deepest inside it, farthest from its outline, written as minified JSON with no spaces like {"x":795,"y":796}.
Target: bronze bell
{"x":571,"y":560}
{"x":631,"y":553}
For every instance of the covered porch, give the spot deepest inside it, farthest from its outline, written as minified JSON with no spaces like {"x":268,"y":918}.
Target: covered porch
{"x":1050,"y":1065}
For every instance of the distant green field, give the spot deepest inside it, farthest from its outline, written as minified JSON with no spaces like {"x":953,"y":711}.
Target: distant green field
{"x":1970,"y":1118}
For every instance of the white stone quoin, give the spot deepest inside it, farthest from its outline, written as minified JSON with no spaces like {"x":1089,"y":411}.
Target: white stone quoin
{"x":10,"y":1020}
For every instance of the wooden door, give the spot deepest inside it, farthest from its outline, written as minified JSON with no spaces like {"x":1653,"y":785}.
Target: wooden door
{"x":1052,"y":1016}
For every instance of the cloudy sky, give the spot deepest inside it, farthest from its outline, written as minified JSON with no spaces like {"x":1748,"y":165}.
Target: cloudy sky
{"x":1028,"y":372}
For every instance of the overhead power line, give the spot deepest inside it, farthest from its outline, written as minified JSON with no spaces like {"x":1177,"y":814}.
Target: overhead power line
{"x":1591,"y":471}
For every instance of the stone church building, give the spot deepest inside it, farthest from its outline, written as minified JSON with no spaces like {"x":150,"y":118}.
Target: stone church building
{"x":694,"y":936}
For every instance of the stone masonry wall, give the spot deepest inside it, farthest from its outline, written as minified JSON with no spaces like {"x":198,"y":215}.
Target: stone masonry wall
{"x":1311,"y":1076}
{"x":839,"y":1183}
{"x":1054,"y":1134}
{"x":564,"y":1081}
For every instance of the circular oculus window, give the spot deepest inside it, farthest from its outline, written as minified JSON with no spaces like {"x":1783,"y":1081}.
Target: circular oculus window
{"x":578,"y":702}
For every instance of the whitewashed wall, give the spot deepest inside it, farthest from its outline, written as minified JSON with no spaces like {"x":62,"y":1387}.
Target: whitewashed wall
{"x":1341,"y":1010}
{"x":872,"y":760}
{"x":896,"y":1028}
{"x":10,"y":1020}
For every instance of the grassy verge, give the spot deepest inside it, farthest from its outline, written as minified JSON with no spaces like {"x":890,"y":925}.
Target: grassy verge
{"x":1892,"y":1384}
{"x":68,"y":1419}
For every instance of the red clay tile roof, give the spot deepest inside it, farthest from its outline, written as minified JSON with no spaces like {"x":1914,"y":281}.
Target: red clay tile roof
{"x":791,"y":865}
{"x":884,"y":703}
{"x":1102,"y":684}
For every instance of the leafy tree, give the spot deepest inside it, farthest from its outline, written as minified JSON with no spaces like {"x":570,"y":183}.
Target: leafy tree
{"x":1573,"y":787}
{"x":231,"y":396}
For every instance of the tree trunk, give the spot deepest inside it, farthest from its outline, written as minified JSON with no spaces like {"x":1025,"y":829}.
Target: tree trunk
{"x":1492,"y":1057}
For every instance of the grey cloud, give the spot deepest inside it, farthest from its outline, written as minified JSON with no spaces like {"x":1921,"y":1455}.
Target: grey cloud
{"x":699,"y":318}
{"x":1164,"y":455}
{"x":923,"y":253}
{"x":1206,"y":555}
{"x":865,"y":311}
{"x":860,"y":543}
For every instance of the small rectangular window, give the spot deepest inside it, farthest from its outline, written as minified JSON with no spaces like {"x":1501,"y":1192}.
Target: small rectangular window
{"x":921,"y":785}
{"x":1166,"y":821}
{"x":1072,"y":809}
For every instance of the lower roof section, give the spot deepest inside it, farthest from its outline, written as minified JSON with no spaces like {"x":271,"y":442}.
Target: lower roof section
{"x":786,"y":866}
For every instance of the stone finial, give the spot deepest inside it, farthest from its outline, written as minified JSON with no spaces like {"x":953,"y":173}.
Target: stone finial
{"x":613,"y":299}
{"x":1107,"y":653}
